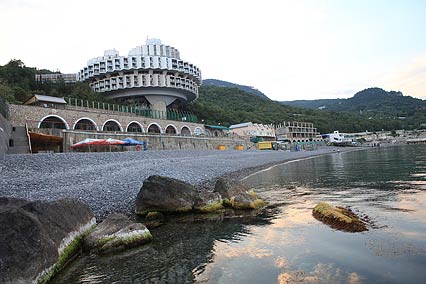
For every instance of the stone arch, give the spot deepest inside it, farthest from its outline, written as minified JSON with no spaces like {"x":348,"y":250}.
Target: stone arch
{"x":53,"y":121}
{"x":85,"y":123}
{"x":185,"y":131}
{"x":154,"y":128}
{"x":171,"y":129}
{"x":135,"y":126}
{"x":198,"y":131}
{"x":112,"y":125}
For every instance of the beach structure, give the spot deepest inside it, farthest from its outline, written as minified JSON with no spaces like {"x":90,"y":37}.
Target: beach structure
{"x":217,"y":130}
{"x":46,"y":101}
{"x":340,"y":139}
{"x":297,"y":131}
{"x":150,"y":76}
{"x":255,"y":131}
{"x":66,"y":121}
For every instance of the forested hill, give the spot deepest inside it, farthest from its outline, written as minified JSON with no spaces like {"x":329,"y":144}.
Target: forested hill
{"x":375,"y":103}
{"x":228,"y":106}
{"x":231,"y":105}
{"x":370,"y":100}
{"x":220,"y":83}
{"x":377,"y":100}
{"x":313,"y":104}
{"x":17,"y":84}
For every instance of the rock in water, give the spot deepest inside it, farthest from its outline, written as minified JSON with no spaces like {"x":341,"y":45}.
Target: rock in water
{"x":237,"y":195}
{"x":338,"y":218}
{"x":117,"y":232}
{"x":37,"y":238}
{"x":164,"y":194}
{"x":207,"y":202}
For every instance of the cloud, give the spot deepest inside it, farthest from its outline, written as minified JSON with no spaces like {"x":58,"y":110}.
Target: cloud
{"x":409,"y":78}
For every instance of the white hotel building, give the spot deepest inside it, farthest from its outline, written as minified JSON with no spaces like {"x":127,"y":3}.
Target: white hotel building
{"x":151,"y":75}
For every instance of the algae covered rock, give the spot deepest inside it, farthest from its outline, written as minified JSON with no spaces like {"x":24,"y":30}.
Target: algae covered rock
{"x":153,"y":219}
{"x":154,"y":215}
{"x":165,"y":194}
{"x":236,"y":195}
{"x":208,"y":202}
{"x":117,"y":232}
{"x":37,"y":238}
{"x":339,"y":218}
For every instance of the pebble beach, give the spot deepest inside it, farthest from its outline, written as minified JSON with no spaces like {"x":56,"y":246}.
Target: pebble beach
{"x":110,"y":182}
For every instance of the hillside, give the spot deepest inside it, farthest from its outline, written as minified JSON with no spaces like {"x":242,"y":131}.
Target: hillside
{"x":17,"y":84}
{"x":227,"y":105}
{"x":313,"y":104}
{"x":375,"y":103}
{"x":231,"y":105}
{"x":220,"y":83}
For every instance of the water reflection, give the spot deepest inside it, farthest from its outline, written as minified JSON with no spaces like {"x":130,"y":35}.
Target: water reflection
{"x":286,"y":244}
{"x":181,"y":250}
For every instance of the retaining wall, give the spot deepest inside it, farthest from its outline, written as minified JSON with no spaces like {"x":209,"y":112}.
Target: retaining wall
{"x":155,"y":141}
{"x":5,"y":134}
{"x":33,"y":115}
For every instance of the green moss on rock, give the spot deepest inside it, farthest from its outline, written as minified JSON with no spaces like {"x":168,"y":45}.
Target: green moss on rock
{"x":338,"y":218}
{"x":255,"y":204}
{"x":212,"y":207}
{"x":165,"y":211}
{"x":127,"y":240}
{"x":228,"y":202}
{"x":258,"y":203}
{"x":253,"y":194}
{"x":70,"y":251}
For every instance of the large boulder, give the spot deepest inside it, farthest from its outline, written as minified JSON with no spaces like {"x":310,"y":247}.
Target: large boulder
{"x":236,"y":195}
{"x":164,"y":194}
{"x":117,"y":232}
{"x":36,"y":238}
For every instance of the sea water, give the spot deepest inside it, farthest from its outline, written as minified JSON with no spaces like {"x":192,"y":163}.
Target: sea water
{"x":285,"y":244}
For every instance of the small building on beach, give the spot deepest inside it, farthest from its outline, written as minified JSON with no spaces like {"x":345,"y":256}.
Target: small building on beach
{"x":297,"y":131}
{"x":254,"y":131}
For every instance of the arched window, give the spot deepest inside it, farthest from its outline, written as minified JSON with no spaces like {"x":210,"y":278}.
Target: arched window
{"x":54,"y":122}
{"x":85,"y":124}
{"x":134,"y":127}
{"x":154,"y":128}
{"x":198,"y":131}
{"x":185,"y":131}
{"x":171,"y":129}
{"x":111,"y":125}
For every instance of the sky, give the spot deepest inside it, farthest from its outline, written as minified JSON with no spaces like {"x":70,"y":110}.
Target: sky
{"x":290,"y":50}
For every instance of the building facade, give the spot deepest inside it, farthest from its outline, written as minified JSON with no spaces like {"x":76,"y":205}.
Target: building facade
{"x":150,"y":76}
{"x":55,"y":78}
{"x":254,"y":130}
{"x":295,"y":131}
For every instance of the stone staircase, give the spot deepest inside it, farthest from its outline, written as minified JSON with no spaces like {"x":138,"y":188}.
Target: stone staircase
{"x":19,"y":141}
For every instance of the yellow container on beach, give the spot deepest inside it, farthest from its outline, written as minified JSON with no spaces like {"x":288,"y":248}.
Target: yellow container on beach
{"x":239,"y":147}
{"x":265,"y":145}
{"x":221,"y":147}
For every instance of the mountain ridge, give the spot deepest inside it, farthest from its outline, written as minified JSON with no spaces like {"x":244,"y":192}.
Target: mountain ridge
{"x":221,"y":83}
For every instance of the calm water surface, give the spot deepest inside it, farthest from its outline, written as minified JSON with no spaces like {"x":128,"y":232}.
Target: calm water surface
{"x":285,"y":244}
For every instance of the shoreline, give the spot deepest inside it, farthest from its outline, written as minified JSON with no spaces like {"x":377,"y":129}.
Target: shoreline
{"x":109,"y":182}
{"x":243,"y":174}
